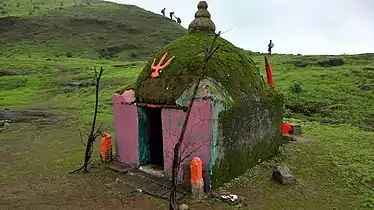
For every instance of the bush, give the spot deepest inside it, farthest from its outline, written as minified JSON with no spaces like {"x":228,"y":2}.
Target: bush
{"x":331,"y":62}
{"x":69,"y":54}
{"x":296,"y":87}
{"x":287,"y":113}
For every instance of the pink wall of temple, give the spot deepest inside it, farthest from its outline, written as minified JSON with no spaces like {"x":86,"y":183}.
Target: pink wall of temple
{"x":197,"y":138}
{"x":126,"y":130}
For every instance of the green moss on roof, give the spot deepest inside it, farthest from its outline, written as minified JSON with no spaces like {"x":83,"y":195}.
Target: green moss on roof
{"x":235,"y":71}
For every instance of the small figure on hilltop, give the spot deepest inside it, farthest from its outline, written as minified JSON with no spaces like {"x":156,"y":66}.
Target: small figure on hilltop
{"x":270,"y":46}
{"x":163,"y":12}
{"x":171,"y":15}
{"x":179,"y":21}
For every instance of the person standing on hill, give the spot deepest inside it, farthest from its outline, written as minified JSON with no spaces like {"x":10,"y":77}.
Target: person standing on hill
{"x":270,"y":46}
{"x":179,"y":21}
{"x":163,"y":12}
{"x":171,"y":15}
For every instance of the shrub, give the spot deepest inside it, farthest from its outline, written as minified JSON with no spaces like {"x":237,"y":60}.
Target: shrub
{"x":69,"y":54}
{"x":296,"y":87}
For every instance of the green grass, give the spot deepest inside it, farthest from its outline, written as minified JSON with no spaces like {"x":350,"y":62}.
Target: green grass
{"x":334,"y":104}
{"x":334,"y":170}
{"x":334,"y":95}
{"x":64,"y":28}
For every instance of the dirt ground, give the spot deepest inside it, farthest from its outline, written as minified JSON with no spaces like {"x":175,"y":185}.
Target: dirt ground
{"x":36,"y":159}
{"x":38,"y":154}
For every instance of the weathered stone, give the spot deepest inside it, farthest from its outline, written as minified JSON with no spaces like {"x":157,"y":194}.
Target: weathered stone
{"x":78,"y":84}
{"x":198,"y":190}
{"x":296,"y":129}
{"x":121,"y":188}
{"x":366,"y":87}
{"x":283,"y":175}
{"x":183,"y":207}
{"x":23,"y":115}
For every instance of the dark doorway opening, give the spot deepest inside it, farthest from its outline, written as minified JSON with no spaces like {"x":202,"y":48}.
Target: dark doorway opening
{"x":154,"y":137}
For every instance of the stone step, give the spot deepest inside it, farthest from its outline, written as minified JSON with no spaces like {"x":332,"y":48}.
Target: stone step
{"x":133,"y":179}
{"x":119,"y":167}
{"x":161,"y":181}
{"x":122,"y":188}
{"x":146,"y":186}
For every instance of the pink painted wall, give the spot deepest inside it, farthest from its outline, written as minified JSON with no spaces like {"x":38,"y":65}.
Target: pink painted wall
{"x":126,"y":130}
{"x":197,"y":138}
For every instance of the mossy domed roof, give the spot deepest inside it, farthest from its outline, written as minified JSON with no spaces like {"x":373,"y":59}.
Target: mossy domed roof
{"x":235,"y":71}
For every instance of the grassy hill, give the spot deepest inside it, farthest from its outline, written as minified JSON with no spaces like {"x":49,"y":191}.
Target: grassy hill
{"x":45,"y":45}
{"x":36,"y":28}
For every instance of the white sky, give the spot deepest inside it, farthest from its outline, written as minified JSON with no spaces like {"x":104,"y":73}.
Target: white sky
{"x":295,"y":26}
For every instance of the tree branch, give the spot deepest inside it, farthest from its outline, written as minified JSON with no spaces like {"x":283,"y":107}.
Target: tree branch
{"x":176,"y":164}
{"x":93,"y":132}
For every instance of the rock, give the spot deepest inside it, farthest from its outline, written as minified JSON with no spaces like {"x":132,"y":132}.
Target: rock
{"x":366,"y":87}
{"x":283,"y":175}
{"x":289,"y":137}
{"x":296,"y":129}
{"x":183,"y":207}
{"x":198,"y":190}
{"x":331,"y":62}
{"x":22,"y":115}
{"x":78,"y":84}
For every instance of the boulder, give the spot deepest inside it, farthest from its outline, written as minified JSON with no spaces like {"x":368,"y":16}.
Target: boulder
{"x":283,"y":175}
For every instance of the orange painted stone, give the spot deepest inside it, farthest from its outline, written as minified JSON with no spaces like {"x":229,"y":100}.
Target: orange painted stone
{"x":196,"y":168}
{"x":106,"y":145}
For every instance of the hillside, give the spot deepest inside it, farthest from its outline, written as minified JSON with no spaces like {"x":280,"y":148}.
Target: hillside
{"x":37,"y":28}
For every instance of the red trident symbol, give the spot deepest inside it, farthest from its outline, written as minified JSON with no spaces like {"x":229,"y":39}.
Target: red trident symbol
{"x":157,"y":69}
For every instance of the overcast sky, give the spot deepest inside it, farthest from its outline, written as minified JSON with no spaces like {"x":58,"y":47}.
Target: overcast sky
{"x":295,"y":26}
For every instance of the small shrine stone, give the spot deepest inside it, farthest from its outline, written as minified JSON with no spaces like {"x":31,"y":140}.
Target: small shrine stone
{"x":296,"y":129}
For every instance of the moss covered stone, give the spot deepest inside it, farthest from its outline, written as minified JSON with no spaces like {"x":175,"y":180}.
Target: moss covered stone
{"x":234,"y":70}
{"x":202,"y":21}
{"x":249,"y":112}
{"x":250,"y":132}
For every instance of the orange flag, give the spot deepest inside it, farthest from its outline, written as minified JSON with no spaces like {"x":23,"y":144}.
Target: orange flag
{"x":269,"y":75}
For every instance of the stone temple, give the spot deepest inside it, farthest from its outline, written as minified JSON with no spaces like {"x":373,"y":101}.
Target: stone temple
{"x":235,"y":120}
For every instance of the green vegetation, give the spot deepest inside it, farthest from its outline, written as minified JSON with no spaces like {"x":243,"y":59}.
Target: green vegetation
{"x":333,"y":171}
{"x":60,"y":28}
{"x":40,"y":54}
{"x":228,"y":64}
{"x":332,"y":95}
